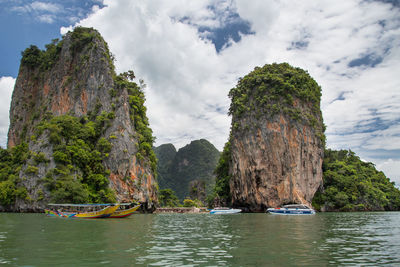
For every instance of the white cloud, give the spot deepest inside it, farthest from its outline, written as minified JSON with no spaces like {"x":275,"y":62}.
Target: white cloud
{"x":38,"y":7}
{"x":46,"y":18}
{"x":391,"y":168}
{"x":188,"y":81}
{"x":42,"y":6}
{"x":6,"y":88}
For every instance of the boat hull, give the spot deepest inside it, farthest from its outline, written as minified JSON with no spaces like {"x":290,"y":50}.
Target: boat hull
{"x":124,"y":213}
{"x":104,"y":213}
{"x":228,"y":211}
{"x":286,"y":211}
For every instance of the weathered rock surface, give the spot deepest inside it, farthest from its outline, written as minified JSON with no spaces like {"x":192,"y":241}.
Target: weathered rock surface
{"x":197,"y":190}
{"x":277,"y":140}
{"x":278,"y":163}
{"x":80,"y":82}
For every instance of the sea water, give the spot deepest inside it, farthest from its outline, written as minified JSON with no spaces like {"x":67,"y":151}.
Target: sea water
{"x":323,"y":239}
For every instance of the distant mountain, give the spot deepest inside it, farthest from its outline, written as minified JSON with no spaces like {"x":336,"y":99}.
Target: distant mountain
{"x":165,"y":155}
{"x":193,"y":162}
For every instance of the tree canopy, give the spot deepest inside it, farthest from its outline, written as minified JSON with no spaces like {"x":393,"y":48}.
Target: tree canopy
{"x":353,"y":185}
{"x":167,"y":198}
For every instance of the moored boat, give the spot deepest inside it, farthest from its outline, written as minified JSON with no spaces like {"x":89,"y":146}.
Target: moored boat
{"x":294,"y":209}
{"x":223,"y":210}
{"x":124,"y":210}
{"x":87,"y":211}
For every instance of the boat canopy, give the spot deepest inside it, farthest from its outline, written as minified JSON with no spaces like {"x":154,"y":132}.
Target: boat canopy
{"x":296,"y":206}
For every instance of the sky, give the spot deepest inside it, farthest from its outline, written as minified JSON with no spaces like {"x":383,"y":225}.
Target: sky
{"x":191,"y":53}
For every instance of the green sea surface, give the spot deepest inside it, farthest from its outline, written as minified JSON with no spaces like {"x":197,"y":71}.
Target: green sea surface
{"x":324,"y":239}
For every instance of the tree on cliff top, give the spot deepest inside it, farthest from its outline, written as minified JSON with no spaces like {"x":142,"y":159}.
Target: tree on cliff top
{"x":274,"y":89}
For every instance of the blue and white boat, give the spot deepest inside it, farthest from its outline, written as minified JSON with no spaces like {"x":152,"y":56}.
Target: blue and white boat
{"x":294,"y":209}
{"x":224,"y":211}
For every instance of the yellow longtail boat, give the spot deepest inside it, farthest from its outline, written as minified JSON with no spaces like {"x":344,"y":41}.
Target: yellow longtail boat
{"x":124,"y":211}
{"x":87,"y":211}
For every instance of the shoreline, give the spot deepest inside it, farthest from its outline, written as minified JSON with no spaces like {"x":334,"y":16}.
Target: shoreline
{"x":181,"y":210}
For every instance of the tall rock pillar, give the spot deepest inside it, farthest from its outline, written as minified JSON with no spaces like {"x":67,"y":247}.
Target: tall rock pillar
{"x":81,"y":128}
{"x":277,"y":138}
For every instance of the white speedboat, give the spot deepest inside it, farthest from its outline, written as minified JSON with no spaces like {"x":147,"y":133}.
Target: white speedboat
{"x":224,"y":211}
{"x":294,"y":209}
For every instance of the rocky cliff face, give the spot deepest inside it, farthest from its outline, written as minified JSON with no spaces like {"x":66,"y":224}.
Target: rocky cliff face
{"x":87,"y":124}
{"x":277,"y":140}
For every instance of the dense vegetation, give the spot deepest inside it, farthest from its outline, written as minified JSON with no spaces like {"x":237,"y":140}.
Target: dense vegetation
{"x":221,"y":190}
{"x":78,"y":151}
{"x":11,"y":161}
{"x":195,"y":161}
{"x":33,"y":57}
{"x":353,"y":185}
{"x":45,"y":59}
{"x":81,"y":37}
{"x":165,"y":155}
{"x":167,"y":198}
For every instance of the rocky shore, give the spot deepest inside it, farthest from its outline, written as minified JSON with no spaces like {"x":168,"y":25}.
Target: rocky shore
{"x":182,"y":210}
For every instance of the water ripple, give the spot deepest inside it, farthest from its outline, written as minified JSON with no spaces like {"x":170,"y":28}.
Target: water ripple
{"x":188,"y":240}
{"x":363,"y":239}
{"x":337,"y":239}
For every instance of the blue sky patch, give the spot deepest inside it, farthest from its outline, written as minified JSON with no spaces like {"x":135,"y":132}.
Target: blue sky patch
{"x":230,"y":26}
{"x":341,"y":96}
{"x":381,"y":153}
{"x":374,"y":124}
{"x":395,"y":3}
{"x":300,"y":44}
{"x":369,"y":60}
{"x":35,"y":22}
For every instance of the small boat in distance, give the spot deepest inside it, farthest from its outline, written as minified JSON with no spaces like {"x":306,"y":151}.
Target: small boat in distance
{"x":87,"y":211}
{"x":293,"y":209}
{"x":223,"y":210}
